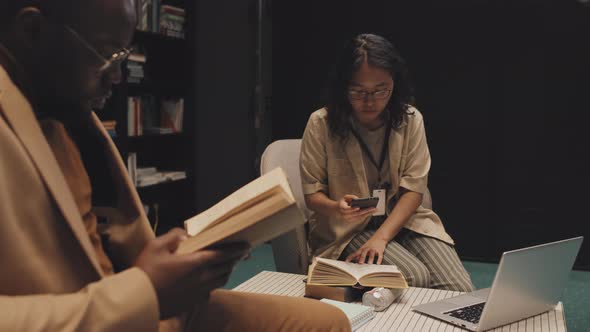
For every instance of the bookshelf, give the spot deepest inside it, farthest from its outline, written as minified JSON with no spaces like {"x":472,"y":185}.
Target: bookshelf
{"x":153,"y":111}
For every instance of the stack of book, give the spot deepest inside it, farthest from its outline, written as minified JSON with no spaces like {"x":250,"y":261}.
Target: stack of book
{"x":110,"y":126}
{"x":135,"y":69}
{"x":172,"y":20}
{"x":148,"y":176}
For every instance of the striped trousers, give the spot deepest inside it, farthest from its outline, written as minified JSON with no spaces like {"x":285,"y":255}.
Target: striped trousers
{"x":425,"y":262}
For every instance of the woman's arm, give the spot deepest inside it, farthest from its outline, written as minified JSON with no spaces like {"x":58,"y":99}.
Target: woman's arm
{"x":322,"y":204}
{"x":406,"y":206}
{"x":401,"y":213}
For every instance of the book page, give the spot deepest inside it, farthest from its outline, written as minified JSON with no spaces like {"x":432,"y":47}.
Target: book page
{"x":249,"y":195}
{"x":359,"y":270}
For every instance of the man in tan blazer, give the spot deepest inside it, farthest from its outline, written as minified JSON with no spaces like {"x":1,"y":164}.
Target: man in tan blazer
{"x":69,"y":264}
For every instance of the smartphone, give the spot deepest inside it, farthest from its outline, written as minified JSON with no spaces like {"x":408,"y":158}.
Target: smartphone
{"x":364,"y":203}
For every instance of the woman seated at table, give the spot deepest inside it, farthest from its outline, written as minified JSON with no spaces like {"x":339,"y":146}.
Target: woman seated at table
{"x":370,"y":141}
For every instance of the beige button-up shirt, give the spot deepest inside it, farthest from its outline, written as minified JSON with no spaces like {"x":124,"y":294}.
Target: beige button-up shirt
{"x":336,"y":168}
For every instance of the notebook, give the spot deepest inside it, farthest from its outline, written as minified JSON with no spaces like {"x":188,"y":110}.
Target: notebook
{"x":358,"y":314}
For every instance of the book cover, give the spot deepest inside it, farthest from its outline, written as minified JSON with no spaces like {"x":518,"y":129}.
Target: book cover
{"x":338,"y":293}
{"x":256,"y":213}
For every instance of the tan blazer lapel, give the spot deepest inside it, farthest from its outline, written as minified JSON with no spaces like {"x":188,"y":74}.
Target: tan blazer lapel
{"x":355,"y":156}
{"x":20,"y":116}
{"x":128,"y":228}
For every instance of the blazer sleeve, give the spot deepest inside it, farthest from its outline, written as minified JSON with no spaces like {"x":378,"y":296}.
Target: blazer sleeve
{"x":125,"y":301}
{"x":313,"y":159}
{"x":415,"y":168}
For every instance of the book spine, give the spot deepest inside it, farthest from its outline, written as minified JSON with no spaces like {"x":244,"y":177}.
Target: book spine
{"x":130,"y":116}
{"x":132,"y":167}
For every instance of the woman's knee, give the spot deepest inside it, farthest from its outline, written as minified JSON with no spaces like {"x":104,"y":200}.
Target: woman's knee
{"x":454,"y":280}
{"x":460,"y":285}
{"x":417,"y":275}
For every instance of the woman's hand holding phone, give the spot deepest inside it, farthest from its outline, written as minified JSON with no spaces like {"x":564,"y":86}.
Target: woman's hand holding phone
{"x":345,"y":212}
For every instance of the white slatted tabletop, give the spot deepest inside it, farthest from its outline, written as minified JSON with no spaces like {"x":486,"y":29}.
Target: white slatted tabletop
{"x":399,"y":316}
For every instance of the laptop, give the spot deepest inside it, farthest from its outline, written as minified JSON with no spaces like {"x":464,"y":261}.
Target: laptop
{"x":528,"y":282}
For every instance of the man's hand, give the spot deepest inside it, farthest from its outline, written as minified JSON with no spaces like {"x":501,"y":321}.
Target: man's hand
{"x":374,"y":248}
{"x":183,"y":280}
{"x":344,"y":211}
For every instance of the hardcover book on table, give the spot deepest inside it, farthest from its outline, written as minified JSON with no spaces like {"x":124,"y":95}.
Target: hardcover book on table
{"x":331,"y":272}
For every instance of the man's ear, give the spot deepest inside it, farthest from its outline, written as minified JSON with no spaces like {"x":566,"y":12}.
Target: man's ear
{"x":28,"y":25}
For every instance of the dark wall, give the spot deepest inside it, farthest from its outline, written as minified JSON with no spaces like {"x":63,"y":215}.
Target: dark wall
{"x":225,"y":73}
{"x":504,"y":88}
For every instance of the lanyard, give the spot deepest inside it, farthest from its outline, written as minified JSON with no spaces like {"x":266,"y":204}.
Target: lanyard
{"x":368,"y":151}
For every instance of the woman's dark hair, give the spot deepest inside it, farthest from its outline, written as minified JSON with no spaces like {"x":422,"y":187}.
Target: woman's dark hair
{"x":380,"y":53}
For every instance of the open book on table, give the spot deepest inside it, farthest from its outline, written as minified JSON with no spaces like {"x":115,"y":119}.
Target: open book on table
{"x":330,"y":272}
{"x":256,"y":213}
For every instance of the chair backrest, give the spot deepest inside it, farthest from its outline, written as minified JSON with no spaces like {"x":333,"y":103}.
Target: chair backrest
{"x":290,"y":250}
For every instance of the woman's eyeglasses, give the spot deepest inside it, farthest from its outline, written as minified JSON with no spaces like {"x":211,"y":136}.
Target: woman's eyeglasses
{"x":362,"y":95}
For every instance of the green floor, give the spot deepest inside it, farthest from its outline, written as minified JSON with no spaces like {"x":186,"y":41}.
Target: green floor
{"x":576,"y":298}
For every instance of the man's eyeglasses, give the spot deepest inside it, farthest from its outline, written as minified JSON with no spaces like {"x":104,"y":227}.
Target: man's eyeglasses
{"x":112,"y":61}
{"x":362,"y":95}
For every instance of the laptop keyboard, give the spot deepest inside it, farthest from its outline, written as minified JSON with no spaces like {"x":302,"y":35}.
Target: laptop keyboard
{"x":471,"y":313}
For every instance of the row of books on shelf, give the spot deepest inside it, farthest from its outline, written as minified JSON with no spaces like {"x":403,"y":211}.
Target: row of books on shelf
{"x":150,"y":115}
{"x":153,"y":16}
{"x":149,"y":176}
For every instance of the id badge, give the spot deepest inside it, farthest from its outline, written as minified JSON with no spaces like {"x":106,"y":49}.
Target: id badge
{"x":380,"y":208}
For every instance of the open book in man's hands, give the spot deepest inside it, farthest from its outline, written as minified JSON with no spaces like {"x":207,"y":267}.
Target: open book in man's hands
{"x":258,"y":212}
{"x":330,"y":272}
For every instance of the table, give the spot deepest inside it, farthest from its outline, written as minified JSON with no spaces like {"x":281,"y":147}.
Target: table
{"x":399,"y":316}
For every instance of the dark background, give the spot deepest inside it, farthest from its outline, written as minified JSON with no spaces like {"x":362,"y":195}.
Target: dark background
{"x":504,"y":86}
{"x":505,"y":90}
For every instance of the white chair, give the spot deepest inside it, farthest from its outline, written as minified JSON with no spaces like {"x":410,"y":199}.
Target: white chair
{"x":290,"y":250}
